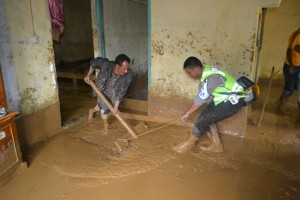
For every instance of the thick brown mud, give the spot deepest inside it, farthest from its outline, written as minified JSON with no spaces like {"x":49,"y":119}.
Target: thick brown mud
{"x":80,"y":163}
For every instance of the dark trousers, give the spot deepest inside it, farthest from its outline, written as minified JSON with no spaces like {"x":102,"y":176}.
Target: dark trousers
{"x":290,"y":79}
{"x":212,"y":114}
{"x":102,"y":106}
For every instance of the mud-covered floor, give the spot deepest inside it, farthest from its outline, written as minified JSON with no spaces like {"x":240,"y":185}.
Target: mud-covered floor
{"x":79,"y":163}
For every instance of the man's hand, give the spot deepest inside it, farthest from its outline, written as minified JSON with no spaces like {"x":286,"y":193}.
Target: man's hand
{"x":184,"y":117}
{"x":87,"y":79}
{"x":116,"y":111}
{"x":116,"y":107}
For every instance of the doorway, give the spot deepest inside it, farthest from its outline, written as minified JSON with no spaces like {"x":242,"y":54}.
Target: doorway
{"x":73,"y":52}
{"x":124,"y":29}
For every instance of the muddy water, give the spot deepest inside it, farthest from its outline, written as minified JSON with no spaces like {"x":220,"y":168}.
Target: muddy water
{"x":80,"y":163}
{"x":74,"y":102}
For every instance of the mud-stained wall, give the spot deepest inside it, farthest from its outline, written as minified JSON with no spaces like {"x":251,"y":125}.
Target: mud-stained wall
{"x":220,"y":33}
{"x":125,"y":31}
{"x":29,"y":70}
{"x":279,"y":24}
{"x":76,"y":43}
{"x":32,"y":58}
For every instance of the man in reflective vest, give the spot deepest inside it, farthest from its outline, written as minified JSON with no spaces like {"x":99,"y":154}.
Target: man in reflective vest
{"x":227,"y":98}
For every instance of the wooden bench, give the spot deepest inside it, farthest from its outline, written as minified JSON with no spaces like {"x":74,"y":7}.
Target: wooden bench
{"x":73,"y":75}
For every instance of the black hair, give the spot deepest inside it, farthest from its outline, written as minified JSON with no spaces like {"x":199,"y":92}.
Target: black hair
{"x":192,"y":62}
{"x":121,"y":58}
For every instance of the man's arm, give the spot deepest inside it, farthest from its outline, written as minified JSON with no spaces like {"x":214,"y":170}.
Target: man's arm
{"x":204,"y":93}
{"x":87,"y":78}
{"x":189,"y":111}
{"x":198,"y":101}
{"x":116,"y":107}
{"x":96,"y":63}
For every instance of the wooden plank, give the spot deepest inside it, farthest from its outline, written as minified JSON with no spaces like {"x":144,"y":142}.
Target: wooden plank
{"x":72,"y":75}
{"x":8,"y":116}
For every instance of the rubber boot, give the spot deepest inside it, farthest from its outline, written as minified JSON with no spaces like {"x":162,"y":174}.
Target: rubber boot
{"x":91,"y":112}
{"x":186,"y":145}
{"x":216,"y":145}
{"x":105,"y":130}
{"x":282,"y":107}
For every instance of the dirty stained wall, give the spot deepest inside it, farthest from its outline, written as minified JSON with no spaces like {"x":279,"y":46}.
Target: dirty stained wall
{"x":280,"y":22}
{"x":220,"y":33}
{"x":29,"y":70}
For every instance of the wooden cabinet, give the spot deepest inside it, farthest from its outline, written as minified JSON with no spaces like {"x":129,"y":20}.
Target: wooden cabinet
{"x":10,"y":154}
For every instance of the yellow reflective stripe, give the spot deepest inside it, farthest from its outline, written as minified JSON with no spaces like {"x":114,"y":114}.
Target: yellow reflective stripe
{"x":213,"y":71}
{"x":220,"y":98}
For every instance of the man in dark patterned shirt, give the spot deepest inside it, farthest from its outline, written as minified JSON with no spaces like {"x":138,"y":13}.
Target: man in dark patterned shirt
{"x":113,"y":80}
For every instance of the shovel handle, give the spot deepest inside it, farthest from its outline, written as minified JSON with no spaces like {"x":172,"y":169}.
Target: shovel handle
{"x":107,"y":103}
{"x":266,"y":98}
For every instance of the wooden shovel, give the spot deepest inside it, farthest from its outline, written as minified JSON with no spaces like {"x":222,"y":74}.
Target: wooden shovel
{"x":107,"y":103}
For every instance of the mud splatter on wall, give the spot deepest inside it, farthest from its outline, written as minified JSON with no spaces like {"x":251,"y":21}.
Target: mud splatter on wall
{"x":29,"y":74}
{"x":31,"y":55}
{"x":223,"y":34}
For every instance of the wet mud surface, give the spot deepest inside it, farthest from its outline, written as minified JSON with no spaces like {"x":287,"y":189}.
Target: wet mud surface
{"x":80,"y":163}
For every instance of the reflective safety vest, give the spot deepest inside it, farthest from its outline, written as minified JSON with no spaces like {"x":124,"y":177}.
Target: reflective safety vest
{"x":222,"y":93}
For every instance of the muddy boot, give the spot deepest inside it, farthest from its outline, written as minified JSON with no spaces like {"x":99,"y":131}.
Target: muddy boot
{"x":216,"y":145}
{"x":186,"y":145}
{"x":91,"y":112}
{"x":105,"y":130}
{"x":282,"y":107}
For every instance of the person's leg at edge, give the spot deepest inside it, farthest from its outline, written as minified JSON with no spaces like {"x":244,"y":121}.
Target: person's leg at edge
{"x":92,"y":111}
{"x":298,"y":103}
{"x":290,"y":80}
